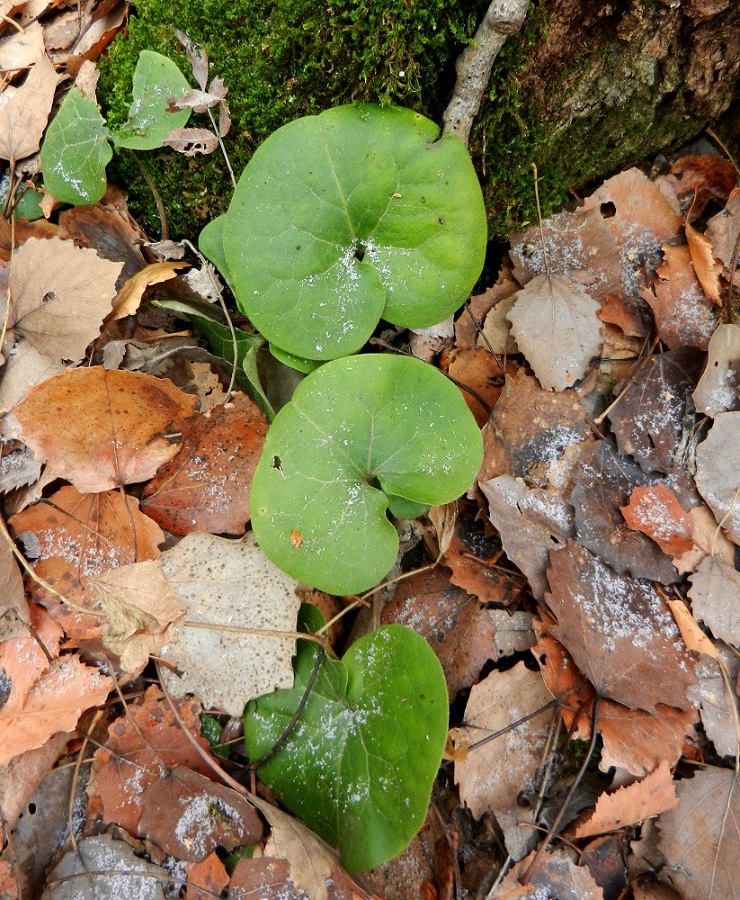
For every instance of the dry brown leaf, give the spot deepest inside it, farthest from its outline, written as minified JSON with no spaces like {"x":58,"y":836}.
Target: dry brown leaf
{"x":683,"y":315}
{"x":629,"y":805}
{"x":478,"y":370}
{"x":191,"y":141}
{"x":101,"y":429}
{"x":718,"y":389}
{"x":497,"y":336}
{"x":709,"y":540}
{"x":189,"y":815}
{"x":655,"y":511}
{"x":130,"y":295}
{"x":223,"y":583}
{"x":492,"y":776}
{"x":701,"y":837}
{"x":206,"y":879}
{"x":139,"y":607}
{"x":702,"y":258}
{"x":691,"y":634}
{"x":54,"y":704}
{"x":470,"y":320}
{"x":14,"y":613}
{"x":555,"y":325}
{"x":716,"y":695}
{"x":718,"y":474}
{"x":22,"y":48}
{"x":207,"y":486}
{"x":20,"y":778}
{"x":723,"y":230}
{"x":25,"y":659}
{"x":619,"y":632}
{"x":531,"y":522}
{"x":141,"y":748}
{"x":556,"y":875}
{"x":704,"y":175}
{"x":715,"y":598}
{"x":80,"y":535}
{"x":472,"y":560}
{"x":25,"y":112}
{"x":648,"y":417}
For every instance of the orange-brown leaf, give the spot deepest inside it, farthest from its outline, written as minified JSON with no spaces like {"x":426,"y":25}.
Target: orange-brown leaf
{"x":655,"y":511}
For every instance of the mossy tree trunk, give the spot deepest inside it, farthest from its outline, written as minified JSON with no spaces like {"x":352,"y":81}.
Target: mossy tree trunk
{"x":585,"y":89}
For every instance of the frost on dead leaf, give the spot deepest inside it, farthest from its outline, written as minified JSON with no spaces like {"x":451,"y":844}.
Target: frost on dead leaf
{"x":80,"y":535}
{"x":648,"y":417}
{"x":492,"y":776}
{"x":189,"y":815}
{"x":683,"y":315}
{"x":60,"y":296}
{"x":555,"y":325}
{"x":701,"y":837}
{"x":619,"y":632}
{"x":223,"y":585}
{"x":531,"y":522}
{"x":655,"y":511}
{"x":54,"y":703}
{"x":629,"y":805}
{"x":140,"y":750}
{"x":25,"y":112}
{"x":723,"y":230}
{"x":715,"y":598}
{"x":101,"y":429}
{"x":718,"y":389}
{"x":716,"y":695}
{"x":206,"y":486}
{"x":718,"y":474}
{"x":106,"y":869}
{"x":14,"y":613}
{"x":529,"y":429}
{"x":139,"y":606}
{"x":603,"y":484}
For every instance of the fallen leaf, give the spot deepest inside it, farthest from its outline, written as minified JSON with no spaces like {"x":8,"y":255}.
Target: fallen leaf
{"x":23,"y":774}
{"x":472,"y":559}
{"x":655,"y":511}
{"x":223,"y":585}
{"x":141,"y":748}
{"x":648,"y":418}
{"x":619,"y":632}
{"x":683,"y":315}
{"x":718,"y":389}
{"x":26,"y":658}
{"x":469,"y":323}
{"x":629,"y":805}
{"x":25,"y":111}
{"x":705,"y":174}
{"x":14,"y":613}
{"x":497,"y":336}
{"x":717,"y":472}
{"x":555,"y":325}
{"x":492,"y":776}
{"x":102,"y":429}
{"x":92,"y":863}
{"x":531,"y":522}
{"x":206,"y":879}
{"x":702,"y":258}
{"x":139,"y":607}
{"x":716,"y":695}
{"x":130,"y":295}
{"x":556,"y":875}
{"x":55,"y":703}
{"x":23,"y":48}
{"x":709,"y":540}
{"x":701,"y":837}
{"x":191,"y":141}
{"x":206,"y":486}
{"x":189,"y":815}
{"x":478,"y":370}
{"x":80,"y":535}
{"x":723,"y":231}
{"x":715,"y":598}
{"x":603,"y":485}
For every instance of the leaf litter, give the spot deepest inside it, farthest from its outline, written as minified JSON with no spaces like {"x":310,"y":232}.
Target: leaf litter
{"x":114,"y":466}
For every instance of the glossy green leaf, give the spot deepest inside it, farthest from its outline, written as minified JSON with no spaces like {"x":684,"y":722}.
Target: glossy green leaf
{"x":340,"y":219}
{"x":211,"y":245}
{"x":359,"y":766}
{"x":156,"y":80}
{"x":76,"y":151}
{"x":356,"y":431}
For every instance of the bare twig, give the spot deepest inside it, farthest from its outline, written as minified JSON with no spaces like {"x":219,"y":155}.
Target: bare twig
{"x":502,"y":18}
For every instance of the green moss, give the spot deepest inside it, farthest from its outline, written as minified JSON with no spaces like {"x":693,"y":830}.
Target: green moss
{"x":280,"y":60}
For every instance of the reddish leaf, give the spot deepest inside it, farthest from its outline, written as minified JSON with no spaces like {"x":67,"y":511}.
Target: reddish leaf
{"x":100,"y":429}
{"x":478,"y":370}
{"x":206,"y":487}
{"x":619,"y":632}
{"x":655,"y":511}
{"x":472,"y":559}
{"x":648,"y":417}
{"x":81,"y":535}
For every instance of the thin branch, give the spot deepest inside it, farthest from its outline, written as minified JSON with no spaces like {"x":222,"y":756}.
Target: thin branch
{"x":503,"y":18}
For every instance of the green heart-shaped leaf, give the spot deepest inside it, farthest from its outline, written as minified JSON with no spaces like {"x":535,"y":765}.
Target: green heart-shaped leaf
{"x":358,"y":430}
{"x":76,"y":151}
{"x":156,"y":79}
{"x":339,"y":219}
{"x":358,"y":768}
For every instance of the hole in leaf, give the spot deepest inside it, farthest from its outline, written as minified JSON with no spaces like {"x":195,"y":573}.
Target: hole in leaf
{"x":608,"y":210}
{"x":360,"y":251}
